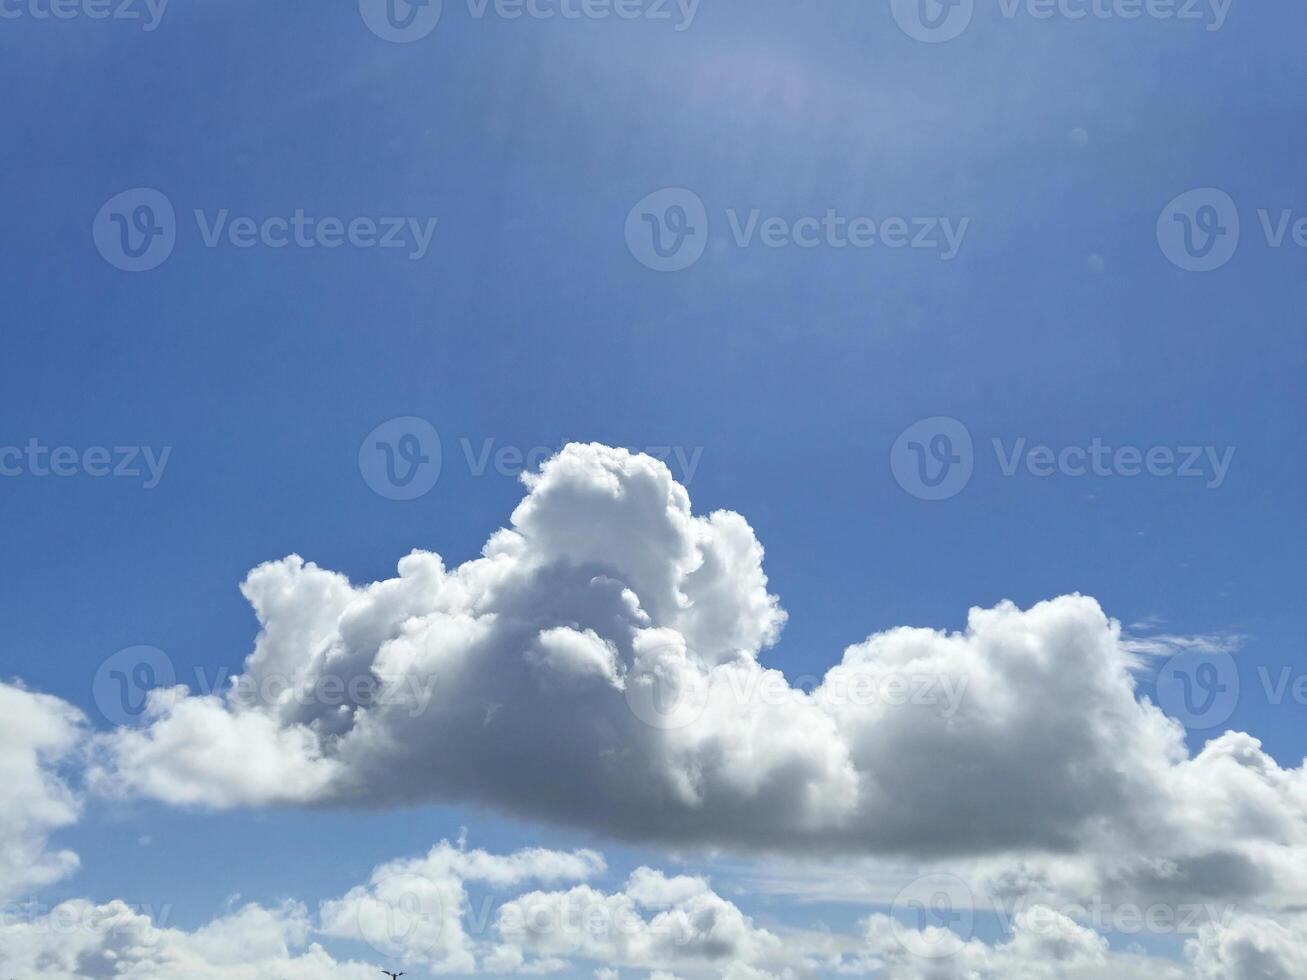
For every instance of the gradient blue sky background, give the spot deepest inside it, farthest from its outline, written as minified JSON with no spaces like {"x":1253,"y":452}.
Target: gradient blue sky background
{"x":530,"y":323}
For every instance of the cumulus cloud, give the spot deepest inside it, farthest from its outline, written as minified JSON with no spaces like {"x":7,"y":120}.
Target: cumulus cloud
{"x":416,"y":911}
{"x":81,"y":940}
{"x":1044,"y":945}
{"x":38,"y":736}
{"x":1250,"y":948}
{"x":600,"y":665}
{"x":655,"y":921}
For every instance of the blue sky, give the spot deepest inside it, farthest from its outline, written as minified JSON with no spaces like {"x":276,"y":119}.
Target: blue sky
{"x":529,"y":322}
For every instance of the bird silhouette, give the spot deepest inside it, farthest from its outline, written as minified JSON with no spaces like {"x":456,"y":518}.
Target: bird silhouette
{"x":393,"y":976}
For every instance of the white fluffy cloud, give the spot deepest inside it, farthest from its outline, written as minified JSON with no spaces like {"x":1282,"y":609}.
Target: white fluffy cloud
{"x":1250,"y":948}
{"x":38,"y":735}
{"x":655,"y":921}
{"x":80,"y":940}
{"x":1044,"y":945}
{"x":599,"y":666}
{"x":418,"y":911}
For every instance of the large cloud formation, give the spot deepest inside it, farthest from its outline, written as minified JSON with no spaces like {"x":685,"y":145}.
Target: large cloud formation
{"x":464,"y":911}
{"x":599,"y":666}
